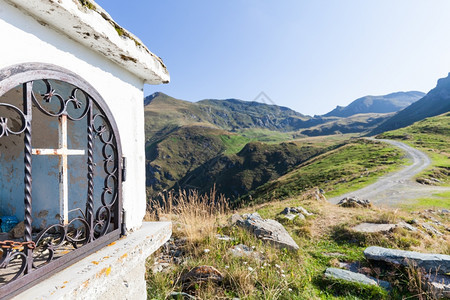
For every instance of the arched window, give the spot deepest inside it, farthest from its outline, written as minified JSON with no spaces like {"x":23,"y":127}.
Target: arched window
{"x":60,"y":173}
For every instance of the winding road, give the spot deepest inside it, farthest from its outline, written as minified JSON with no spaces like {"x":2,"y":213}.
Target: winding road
{"x":398,"y":187}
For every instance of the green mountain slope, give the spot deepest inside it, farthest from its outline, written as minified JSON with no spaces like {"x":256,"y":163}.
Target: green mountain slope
{"x":198,"y":158}
{"x":436,"y":102}
{"x":353,"y":164}
{"x":433,"y":136}
{"x":377,"y":104}
{"x":257,"y":163}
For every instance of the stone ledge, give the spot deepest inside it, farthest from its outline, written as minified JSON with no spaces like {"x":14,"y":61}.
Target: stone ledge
{"x":116,"y":271}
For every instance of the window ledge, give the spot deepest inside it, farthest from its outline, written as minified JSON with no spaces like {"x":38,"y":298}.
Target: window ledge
{"x":117,"y":270}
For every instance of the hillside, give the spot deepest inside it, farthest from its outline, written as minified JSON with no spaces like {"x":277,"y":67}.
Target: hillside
{"x":436,"y":102}
{"x":200,"y":157}
{"x":346,"y":168}
{"x":164,"y":113}
{"x":359,"y":123}
{"x":433,"y":136}
{"x":377,"y":104}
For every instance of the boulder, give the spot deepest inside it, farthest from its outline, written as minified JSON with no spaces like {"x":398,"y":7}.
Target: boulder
{"x":355,"y":277}
{"x":374,"y":227}
{"x":431,"y":263}
{"x":268,"y":230}
{"x":354,"y":202}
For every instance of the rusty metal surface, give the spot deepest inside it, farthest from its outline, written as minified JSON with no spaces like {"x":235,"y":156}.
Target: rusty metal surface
{"x":38,"y":258}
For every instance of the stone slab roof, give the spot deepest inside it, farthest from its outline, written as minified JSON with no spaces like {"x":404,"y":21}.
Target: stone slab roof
{"x":87,"y":23}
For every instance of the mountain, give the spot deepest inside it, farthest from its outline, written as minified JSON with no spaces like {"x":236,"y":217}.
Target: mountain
{"x":164,"y":113}
{"x":436,"y":102}
{"x":230,"y":114}
{"x":232,"y":144}
{"x":377,"y":104}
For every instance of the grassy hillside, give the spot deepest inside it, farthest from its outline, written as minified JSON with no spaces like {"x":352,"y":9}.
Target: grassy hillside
{"x":346,"y":168}
{"x":433,"y":136}
{"x":198,"y":158}
{"x":325,"y":239}
{"x":256,"y":164}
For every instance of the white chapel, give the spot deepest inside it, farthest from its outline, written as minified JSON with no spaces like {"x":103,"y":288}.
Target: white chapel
{"x":72,"y":157}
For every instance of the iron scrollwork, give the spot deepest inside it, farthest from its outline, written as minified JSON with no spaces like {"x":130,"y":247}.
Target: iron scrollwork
{"x":87,"y":224}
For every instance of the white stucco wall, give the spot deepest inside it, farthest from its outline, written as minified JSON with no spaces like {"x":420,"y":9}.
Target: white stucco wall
{"x":26,"y":40}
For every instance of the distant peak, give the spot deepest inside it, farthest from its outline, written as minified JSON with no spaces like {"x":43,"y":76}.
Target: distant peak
{"x":149,"y":98}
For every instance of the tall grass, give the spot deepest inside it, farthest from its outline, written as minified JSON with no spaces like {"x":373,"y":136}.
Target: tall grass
{"x":194,"y":216}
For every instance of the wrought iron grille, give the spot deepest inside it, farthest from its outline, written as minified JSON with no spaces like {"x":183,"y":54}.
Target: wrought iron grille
{"x":30,"y":95}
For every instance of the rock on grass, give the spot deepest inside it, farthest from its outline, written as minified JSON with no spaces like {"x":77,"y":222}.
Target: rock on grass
{"x":433,"y":263}
{"x":268,"y":230}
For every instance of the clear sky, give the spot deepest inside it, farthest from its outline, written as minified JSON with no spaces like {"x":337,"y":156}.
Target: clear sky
{"x":306,"y":55}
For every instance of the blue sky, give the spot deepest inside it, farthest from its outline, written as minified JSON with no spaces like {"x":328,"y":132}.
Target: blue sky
{"x":306,"y":55}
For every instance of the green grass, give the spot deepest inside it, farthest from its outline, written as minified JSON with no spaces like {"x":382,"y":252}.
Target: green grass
{"x":233,"y":143}
{"x":436,"y":201}
{"x":431,"y":135}
{"x":284,"y":274}
{"x":265,"y":135}
{"x":350,"y":167}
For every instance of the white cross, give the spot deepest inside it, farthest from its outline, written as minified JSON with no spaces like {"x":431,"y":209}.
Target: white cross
{"x":63,"y":152}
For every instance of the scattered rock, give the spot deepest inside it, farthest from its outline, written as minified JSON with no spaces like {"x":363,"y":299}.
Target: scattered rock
{"x":303,"y":211}
{"x":202,"y":274}
{"x":235,"y":218}
{"x":407,"y":226}
{"x":374,"y":227}
{"x":355,"y":277}
{"x":296,"y":210}
{"x":445,"y":211}
{"x":268,"y":230}
{"x":354,"y":202}
{"x":161,"y":267}
{"x":438,"y":285}
{"x":18,"y":231}
{"x":221,"y":237}
{"x":291,"y":217}
{"x":431,"y":263}
{"x":172,"y":253}
{"x":180,"y":295}
{"x":242,"y":250}
{"x":350,"y":266}
{"x":430,"y":229}
{"x":425,"y":181}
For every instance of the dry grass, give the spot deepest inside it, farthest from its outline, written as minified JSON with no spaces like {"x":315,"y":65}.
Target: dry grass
{"x":194,"y":216}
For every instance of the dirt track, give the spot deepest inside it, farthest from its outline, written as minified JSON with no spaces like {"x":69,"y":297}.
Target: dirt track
{"x":398,"y":187}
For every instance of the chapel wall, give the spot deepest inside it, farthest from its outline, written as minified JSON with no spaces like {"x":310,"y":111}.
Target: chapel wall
{"x":26,"y":40}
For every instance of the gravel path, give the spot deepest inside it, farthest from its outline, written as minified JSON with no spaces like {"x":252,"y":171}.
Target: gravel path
{"x":398,"y":187}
